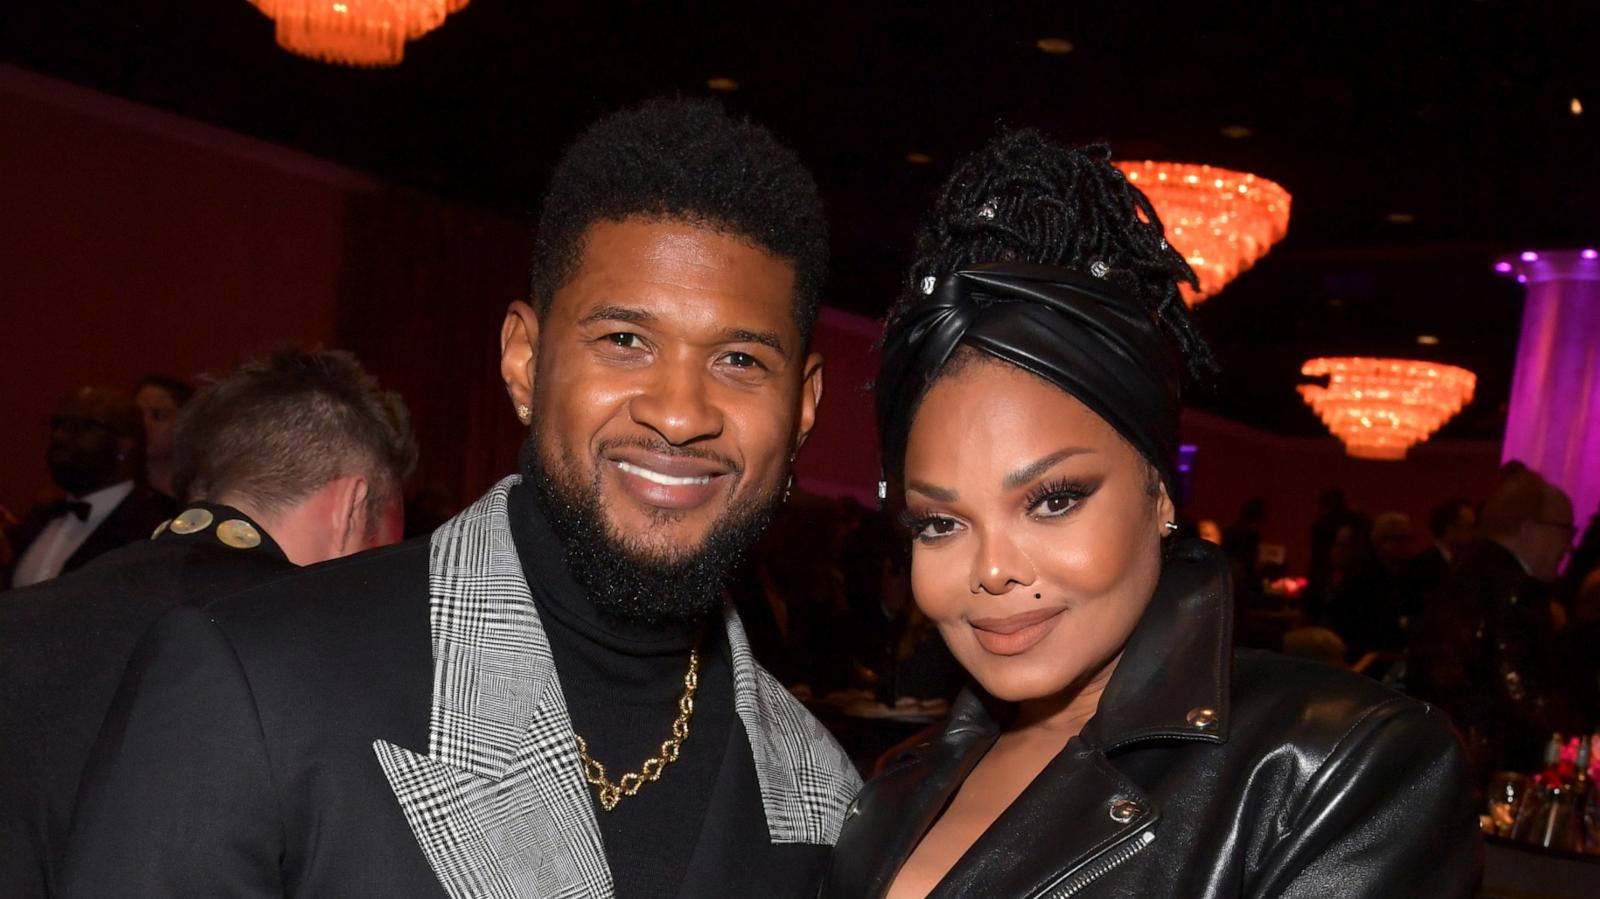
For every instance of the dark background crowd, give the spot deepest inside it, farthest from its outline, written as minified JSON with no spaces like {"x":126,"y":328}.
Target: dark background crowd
{"x":1488,"y":609}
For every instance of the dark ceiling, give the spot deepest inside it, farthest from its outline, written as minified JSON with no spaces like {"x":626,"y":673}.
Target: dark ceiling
{"x":1454,"y":113}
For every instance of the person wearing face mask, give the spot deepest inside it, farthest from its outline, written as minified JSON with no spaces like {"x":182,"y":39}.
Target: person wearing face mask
{"x":1112,"y":743}
{"x":95,"y":446}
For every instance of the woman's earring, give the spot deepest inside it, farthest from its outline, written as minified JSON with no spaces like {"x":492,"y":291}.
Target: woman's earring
{"x":524,"y":414}
{"x":1171,"y":528}
{"x":787,"y":486}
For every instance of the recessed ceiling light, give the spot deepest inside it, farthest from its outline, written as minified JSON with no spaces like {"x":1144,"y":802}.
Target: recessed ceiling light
{"x":1236,"y":132}
{"x":1576,"y":106}
{"x":1401,"y":218}
{"x":722,"y":84}
{"x":1057,"y":45}
{"x":918,"y":158}
{"x":1427,"y":340}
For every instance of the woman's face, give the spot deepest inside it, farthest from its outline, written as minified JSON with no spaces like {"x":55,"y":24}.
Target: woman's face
{"x":160,"y":413}
{"x":1037,"y":541}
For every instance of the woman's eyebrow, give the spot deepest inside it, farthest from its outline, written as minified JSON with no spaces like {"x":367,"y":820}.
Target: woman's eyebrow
{"x":1033,"y":469}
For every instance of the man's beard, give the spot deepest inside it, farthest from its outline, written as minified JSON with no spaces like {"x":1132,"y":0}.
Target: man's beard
{"x":624,"y":577}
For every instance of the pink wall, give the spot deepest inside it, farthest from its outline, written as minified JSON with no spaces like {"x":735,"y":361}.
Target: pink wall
{"x":134,"y":241}
{"x":1236,"y":462}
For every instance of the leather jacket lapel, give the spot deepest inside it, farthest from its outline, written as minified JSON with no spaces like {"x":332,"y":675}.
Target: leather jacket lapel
{"x":1080,"y":799}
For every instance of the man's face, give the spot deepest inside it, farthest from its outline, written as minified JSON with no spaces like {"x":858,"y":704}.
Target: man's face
{"x":85,"y":445}
{"x":668,"y":379}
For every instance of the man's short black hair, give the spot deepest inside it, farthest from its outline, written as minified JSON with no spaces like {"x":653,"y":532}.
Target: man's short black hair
{"x":684,"y":160}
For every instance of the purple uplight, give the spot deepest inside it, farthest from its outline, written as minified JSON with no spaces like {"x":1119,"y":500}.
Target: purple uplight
{"x":1530,"y":256}
{"x":1522,"y":279}
{"x":1502,"y":267}
{"x":1590,"y":254}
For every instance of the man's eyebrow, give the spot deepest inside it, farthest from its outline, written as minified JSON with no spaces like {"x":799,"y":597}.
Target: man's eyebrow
{"x":765,"y":338}
{"x":1033,"y":469}
{"x":614,"y":313}
{"x":937,"y":494}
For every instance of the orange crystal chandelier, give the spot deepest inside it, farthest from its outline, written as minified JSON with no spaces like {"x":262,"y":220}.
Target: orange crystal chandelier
{"x":1222,"y":221}
{"x":355,"y":32}
{"x":1381,"y":407}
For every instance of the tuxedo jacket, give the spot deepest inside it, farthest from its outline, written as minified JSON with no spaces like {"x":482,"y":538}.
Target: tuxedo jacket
{"x":392,"y":725}
{"x":63,"y":646}
{"x":131,"y":521}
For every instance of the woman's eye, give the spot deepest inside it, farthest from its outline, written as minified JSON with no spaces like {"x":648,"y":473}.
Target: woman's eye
{"x":1056,"y":504}
{"x":935,"y":527}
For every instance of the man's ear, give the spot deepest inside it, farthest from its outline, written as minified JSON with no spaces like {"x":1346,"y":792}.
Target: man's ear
{"x":1166,"y":510}
{"x":810,"y":399}
{"x":519,"y":351}
{"x":348,"y":511}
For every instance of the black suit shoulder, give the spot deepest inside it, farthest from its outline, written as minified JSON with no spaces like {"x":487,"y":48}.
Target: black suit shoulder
{"x":255,"y":716}
{"x":63,"y":646}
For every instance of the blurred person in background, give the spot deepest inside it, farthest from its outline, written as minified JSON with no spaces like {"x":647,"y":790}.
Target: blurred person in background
{"x":95,"y":458}
{"x":289,"y":460}
{"x":159,"y":397}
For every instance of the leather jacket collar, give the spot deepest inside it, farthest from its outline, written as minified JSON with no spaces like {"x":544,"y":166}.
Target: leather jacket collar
{"x":1171,"y":684}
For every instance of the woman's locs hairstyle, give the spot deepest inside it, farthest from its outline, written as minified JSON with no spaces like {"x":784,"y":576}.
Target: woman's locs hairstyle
{"x":1024,"y":198}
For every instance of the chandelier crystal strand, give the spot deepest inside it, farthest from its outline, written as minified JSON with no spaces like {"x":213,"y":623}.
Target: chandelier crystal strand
{"x":354,"y":32}
{"x":1379,"y":408}
{"x":1220,"y":220}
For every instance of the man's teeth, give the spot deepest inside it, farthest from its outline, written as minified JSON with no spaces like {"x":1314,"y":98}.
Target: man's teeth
{"x":665,"y":480}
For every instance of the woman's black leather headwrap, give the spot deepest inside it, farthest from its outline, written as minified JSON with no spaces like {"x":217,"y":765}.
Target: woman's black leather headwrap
{"x":1075,"y":331}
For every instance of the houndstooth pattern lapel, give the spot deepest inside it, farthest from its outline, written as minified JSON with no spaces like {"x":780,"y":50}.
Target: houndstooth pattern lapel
{"x":499,"y":805}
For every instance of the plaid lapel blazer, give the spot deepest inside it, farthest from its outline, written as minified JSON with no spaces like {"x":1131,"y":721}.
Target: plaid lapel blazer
{"x":499,"y":805}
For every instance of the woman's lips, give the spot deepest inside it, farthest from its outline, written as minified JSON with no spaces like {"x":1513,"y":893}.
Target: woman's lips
{"x":1015,"y":634}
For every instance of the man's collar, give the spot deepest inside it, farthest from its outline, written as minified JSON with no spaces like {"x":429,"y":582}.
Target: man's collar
{"x":495,"y":683}
{"x":102,"y":501}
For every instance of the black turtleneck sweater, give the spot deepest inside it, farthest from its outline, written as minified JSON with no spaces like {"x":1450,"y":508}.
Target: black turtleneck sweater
{"x":621,"y":683}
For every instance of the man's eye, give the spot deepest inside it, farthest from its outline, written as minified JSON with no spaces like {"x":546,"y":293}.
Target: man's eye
{"x":743,"y":360}
{"x":626,"y":340}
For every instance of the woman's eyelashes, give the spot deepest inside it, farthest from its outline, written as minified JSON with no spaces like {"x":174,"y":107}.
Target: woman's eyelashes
{"x":928,"y":527}
{"x":1057,"y":499}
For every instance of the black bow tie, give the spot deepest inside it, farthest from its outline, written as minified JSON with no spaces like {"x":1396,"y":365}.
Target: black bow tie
{"x":70,"y":506}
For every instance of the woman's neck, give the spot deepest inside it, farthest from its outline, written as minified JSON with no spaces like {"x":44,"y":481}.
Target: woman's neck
{"x":1063,"y":715}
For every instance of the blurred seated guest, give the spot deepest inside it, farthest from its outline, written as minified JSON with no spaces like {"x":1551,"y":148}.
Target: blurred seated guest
{"x":1319,"y":644}
{"x":95,"y":443}
{"x":159,"y":397}
{"x":288,"y":461}
{"x":1113,"y":743}
{"x":1483,"y":649}
{"x":1333,"y":513}
{"x":1209,"y":531}
{"x":1454,"y":525}
{"x":1241,"y":542}
{"x":1366,"y":609}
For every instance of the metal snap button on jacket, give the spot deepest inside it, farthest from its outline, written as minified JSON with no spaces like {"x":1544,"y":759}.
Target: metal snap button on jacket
{"x":1123,"y":810}
{"x":1203,"y":718}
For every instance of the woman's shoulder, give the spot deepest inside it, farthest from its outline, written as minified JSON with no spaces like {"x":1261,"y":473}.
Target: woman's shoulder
{"x":1316,"y":706}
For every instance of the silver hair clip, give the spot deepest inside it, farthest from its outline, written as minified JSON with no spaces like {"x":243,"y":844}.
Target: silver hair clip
{"x":987,"y":210}
{"x":1098,"y":268}
{"x":928,"y":284}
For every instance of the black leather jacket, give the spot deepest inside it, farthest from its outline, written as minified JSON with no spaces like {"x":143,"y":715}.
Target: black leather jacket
{"x":1204,"y":774}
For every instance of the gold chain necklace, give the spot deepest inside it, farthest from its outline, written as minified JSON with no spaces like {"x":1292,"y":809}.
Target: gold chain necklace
{"x":595,"y":773}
